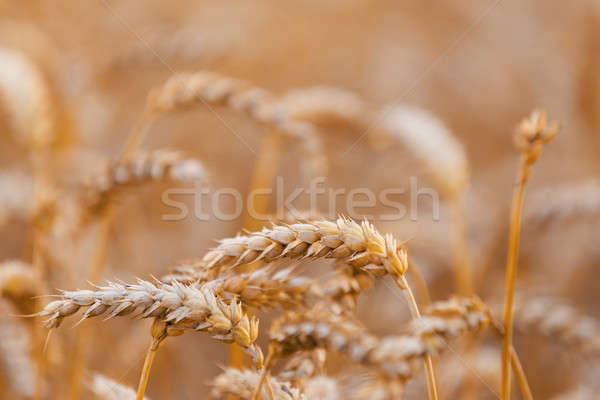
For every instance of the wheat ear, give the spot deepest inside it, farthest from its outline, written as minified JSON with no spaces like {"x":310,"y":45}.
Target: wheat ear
{"x":531,"y":135}
{"x":208,"y":88}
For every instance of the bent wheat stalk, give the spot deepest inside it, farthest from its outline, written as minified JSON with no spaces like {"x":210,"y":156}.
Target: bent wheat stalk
{"x":531,"y":135}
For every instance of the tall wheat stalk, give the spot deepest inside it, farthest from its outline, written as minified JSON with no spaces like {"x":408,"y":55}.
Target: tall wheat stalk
{"x":531,"y":135}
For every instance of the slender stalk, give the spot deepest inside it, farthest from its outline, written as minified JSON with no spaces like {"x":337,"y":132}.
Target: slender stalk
{"x":419,"y":282}
{"x":264,"y":376}
{"x":511,"y":274}
{"x":463,"y":271}
{"x":414,"y":309}
{"x":150,"y":354}
{"x":520,"y":375}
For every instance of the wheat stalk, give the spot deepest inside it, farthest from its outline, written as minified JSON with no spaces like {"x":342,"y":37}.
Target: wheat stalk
{"x":530,"y":137}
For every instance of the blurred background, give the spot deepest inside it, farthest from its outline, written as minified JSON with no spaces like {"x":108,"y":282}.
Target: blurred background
{"x":479,"y":66}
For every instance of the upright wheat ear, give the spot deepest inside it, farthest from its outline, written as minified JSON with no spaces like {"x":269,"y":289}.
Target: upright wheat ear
{"x":530,"y":137}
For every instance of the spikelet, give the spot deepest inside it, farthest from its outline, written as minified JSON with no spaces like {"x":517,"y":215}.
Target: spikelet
{"x":25,"y":94}
{"x":108,"y":389}
{"x":557,"y":319}
{"x":15,"y":352}
{"x":180,"y":307}
{"x":241,"y":384}
{"x":187,"y":89}
{"x":359,"y":245}
{"x":429,"y":140}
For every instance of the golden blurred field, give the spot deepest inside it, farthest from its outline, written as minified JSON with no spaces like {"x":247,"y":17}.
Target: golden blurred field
{"x":115,"y":115}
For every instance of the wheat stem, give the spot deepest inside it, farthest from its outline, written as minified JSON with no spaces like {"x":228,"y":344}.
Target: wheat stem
{"x":520,"y":375}
{"x":511,"y":275}
{"x":151,"y":353}
{"x":531,"y":135}
{"x":419,"y":281}
{"x":264,"y":376}
{"x":463,"y":270}
{"x":414,"y":309}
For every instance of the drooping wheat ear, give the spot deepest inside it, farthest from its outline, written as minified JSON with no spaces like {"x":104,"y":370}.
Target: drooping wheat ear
{"x":395,"y":355}
{"x":531,"y":135}
{"x":139,"y":169}
{"x":24,"y":93}
{"x":181,"y":307}
{"x":359,"y":245}
{"x":109,"y":389}
{"x":328,"y":107}
{"x":241,"y":384}
{"x":211,"y":89}
{"x":556,"y":318}
{"x":269,"y":286}
{"x":16,"y":353}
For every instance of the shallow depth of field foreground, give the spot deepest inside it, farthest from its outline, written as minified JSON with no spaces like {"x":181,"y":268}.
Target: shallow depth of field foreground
{"x":317,"y":200}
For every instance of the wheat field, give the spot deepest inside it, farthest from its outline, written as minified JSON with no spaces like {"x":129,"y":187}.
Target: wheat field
{"x":299,"y":200}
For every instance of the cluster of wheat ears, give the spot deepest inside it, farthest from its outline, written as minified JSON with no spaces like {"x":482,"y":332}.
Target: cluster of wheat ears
{"x":221,"y":292}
